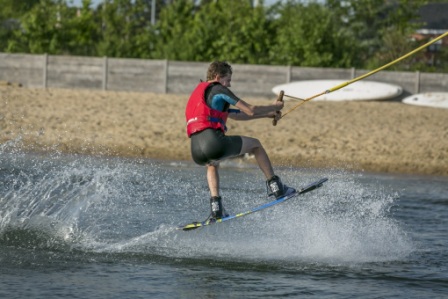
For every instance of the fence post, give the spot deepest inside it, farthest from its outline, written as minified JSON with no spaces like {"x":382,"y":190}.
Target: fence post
{"x":417,"y":82}
{"x":166,"y":77}
{"x":105,"y":72}
{"x":44,"y":70}
{"x":352,"y":73}
{"x":288,"y":73}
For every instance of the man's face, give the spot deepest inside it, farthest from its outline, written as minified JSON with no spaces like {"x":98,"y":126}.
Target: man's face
{"x":225,"y":81}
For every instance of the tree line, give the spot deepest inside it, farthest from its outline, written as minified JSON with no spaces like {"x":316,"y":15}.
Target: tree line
{"x":334,"y":33}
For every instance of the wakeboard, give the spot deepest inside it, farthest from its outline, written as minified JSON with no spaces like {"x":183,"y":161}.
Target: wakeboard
{"x":210,"y":221}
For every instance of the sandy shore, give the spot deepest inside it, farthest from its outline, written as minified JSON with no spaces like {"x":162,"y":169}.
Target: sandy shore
{"x":371,"y":136}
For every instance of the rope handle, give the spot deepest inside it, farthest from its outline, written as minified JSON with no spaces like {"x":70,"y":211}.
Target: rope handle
{"x":279,"y":99}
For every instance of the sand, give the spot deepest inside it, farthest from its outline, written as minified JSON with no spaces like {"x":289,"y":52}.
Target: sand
{"x":374,"y":136}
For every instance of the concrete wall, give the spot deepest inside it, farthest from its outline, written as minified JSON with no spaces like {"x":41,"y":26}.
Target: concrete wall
{"x":162,"y":76}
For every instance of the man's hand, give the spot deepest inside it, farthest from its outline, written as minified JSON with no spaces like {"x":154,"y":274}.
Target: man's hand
{"x":279,"y":103}
{"x":276,"y":115}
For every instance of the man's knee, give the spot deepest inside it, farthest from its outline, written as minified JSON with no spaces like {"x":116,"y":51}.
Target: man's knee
{"x":250,"y":143}
{"x":213,"y":164}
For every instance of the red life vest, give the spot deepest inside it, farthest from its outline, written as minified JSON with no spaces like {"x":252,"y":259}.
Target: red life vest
{"x":200,"y":116}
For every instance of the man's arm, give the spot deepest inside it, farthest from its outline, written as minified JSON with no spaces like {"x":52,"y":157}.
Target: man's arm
{"x":248,"y":111}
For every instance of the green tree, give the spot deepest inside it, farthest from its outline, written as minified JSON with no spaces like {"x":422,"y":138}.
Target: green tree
{"x":382,"y":28}
{"x":38,"y":30}
{"x":10,"y":12}
{"x":171,"y":40}
{"x":54,"y":27}
{"x":81,"y":33}
{"x":395,"y":36}
{"x":14,"y":8}
{"x":311,"y":35}
{"x":126,"y":29}
{"x":231,"y":30}
{"x":235,"y":31}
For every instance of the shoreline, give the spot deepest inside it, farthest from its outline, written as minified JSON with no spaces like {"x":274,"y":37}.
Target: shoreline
{"x":374,"y":136}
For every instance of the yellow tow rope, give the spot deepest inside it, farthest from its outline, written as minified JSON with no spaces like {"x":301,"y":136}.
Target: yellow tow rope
{"x":303,"y":101}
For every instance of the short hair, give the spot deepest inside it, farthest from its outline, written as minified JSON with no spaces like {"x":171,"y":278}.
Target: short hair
{"x":220,"y":68}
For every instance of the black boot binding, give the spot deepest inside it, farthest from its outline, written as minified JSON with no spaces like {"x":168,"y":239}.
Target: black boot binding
{"x":277,"y":188}
{"x":216,"y":207}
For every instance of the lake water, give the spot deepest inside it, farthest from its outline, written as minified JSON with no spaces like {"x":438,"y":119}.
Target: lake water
{"x":88,"y":227}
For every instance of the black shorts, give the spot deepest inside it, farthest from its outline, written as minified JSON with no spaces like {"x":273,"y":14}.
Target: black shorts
{"x":213,"y":145}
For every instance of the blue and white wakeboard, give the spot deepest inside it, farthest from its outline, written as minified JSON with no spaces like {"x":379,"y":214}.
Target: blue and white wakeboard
{"x":210,"y":221}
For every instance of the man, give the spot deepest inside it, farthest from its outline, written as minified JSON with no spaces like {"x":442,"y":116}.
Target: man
{"x":206,"y":115}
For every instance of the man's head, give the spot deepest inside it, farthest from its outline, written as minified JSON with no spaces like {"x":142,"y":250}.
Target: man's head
{"x":220,"y":71}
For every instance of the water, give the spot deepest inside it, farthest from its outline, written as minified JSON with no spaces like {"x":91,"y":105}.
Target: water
{"x":88,"y":227}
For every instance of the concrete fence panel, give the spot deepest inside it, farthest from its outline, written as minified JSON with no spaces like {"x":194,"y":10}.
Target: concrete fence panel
{"x":135,"y":75}
{"x":309,"y":73}
{"x":74,"y":72}
{"x":184,"y":76}
{"x":404,"y":79}
{"x":257,"y":80}
{"x":22,"y":68}
{"x":432,"y":82}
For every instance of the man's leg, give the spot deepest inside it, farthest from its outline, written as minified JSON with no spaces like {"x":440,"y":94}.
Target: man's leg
{"x":276,"y":187}
{"x":253,"y":146}
{"x":217,"y":209}
{"x":213,"y":178}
